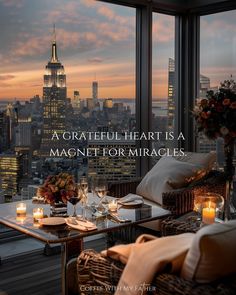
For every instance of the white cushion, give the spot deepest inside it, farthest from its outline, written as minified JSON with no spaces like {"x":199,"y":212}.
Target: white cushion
{"x":212,"y":254}
{"x":167,"y":174}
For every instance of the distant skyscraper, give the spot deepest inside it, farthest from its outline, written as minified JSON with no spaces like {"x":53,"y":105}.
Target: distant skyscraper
{"x":204,"y":86}
{"x":10,"y":172}
{"x":171,"y":93}
{"x":54,"y":102}
{"x":108,"y":103}
{"x":95,"y":90}
{"x":113,"y":168}
{"x":4,"y":131}
{"x":77,"y":100}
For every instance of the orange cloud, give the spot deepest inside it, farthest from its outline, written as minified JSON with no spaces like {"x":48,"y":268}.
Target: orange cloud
{"x":13,"y":3}
{"x":163,"y":28}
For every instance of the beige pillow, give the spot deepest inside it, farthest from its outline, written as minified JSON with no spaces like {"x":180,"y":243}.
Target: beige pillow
{"x":167,"y":174}
{"x":207,"y":160}
{"x":212,"y":254}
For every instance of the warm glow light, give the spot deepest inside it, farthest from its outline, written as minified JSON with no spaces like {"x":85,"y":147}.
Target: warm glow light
{"x":21,"y":210}
{"x":37,"y":214}
{"x":209,"y":213}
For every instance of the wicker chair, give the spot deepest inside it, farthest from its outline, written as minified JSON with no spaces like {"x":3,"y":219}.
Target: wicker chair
{"x":178,"y":201}
{"x":97,"y":275}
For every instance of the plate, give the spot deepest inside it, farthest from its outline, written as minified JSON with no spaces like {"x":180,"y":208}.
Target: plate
{"x":52,"y":221}
{"x":131,"y":204}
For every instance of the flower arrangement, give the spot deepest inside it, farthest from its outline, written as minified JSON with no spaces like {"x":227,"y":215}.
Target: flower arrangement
{"x":216,"y":114}
{"x":58,"y":188}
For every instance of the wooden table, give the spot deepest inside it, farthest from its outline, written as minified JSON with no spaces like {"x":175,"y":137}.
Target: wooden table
{"x":65,"y":235}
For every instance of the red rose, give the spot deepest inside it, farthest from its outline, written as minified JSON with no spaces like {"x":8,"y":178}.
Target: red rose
{"x":204,"y":115}
{"x":233,"y":105}
{"x":226,"y":102}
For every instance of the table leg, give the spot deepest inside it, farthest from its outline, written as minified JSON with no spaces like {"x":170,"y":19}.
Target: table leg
{"x":63,"y":269}
{"x":68,"y":250}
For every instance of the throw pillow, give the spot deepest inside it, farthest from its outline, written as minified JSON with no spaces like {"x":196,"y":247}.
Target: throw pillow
{"x":212,"y":254}
{"x":166,"y":175}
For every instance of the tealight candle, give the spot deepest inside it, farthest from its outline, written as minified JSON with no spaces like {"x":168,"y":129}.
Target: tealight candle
{"x":112,"y":206}
{"x":37,"y":214}
{"x":208,"y":214}
{"x":21,"y":209}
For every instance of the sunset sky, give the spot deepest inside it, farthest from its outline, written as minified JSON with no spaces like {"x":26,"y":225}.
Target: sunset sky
{"x":97,"y":38}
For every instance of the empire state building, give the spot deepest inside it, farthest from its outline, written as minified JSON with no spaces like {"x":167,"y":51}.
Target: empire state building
{"x":54,"y":101}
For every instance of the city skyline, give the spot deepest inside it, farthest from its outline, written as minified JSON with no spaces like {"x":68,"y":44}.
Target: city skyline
{"x":98,"y":39}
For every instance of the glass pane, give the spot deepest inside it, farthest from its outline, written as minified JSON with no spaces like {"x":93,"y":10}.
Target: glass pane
{"x":163,"y":85}
{"x":217,"y":63}
{"x":75,"y":76}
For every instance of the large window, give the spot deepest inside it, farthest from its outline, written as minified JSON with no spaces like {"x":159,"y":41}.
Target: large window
{"x":163,"y":84}
{"x":217,"y":62}
{"x":84,"y":53}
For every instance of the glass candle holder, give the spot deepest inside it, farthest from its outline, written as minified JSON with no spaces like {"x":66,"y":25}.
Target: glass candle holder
{"x":37,"y":214}
{"x":21,"y":210}
{"x":113,"y":206}
{"x":216,"y":201}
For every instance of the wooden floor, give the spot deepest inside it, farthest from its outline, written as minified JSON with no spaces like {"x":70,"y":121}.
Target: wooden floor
{"x":35,"y":273}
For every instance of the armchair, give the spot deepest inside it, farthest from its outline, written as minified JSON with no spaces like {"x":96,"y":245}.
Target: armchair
{"x":99,"y":275}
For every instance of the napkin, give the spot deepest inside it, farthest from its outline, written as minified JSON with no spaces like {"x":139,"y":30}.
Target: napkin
{"x":82,"y":225}
{"x":130,"y":198}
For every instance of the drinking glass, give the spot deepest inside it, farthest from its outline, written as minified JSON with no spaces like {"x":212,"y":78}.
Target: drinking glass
{"x":74,"y":200}
{"x":101,"y":189}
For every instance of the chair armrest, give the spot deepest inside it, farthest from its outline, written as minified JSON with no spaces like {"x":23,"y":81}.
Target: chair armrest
{"x":101,"y":273}
{"x":121,"y":189}
{"x":181,"y":201}
{"x":178,"y":201}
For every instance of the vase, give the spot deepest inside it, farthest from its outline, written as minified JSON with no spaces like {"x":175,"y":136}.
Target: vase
{"x":58,"y":209}
{"x":229,"y":154}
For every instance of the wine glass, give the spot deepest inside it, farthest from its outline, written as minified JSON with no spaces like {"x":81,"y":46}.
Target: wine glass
{"x":101,"y":191}
{"x":92,"y":185}
{"x":75,"y":199}
{"x":84,"y":194}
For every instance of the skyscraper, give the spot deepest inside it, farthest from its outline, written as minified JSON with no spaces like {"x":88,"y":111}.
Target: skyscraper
{"x":4,"y":131}
{"x":77,"y":100}
{"x":171,"y":93}
{"x":95,"y":90}
{"x":54,"y":101}
{"x":10,"y":172}
{"x":204,"y":86}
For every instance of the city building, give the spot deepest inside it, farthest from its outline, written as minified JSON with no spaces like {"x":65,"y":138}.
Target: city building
{"x":171,"y":93}
{"x":4,"y":131}
{"x":95,"y":91}
{"x":77,"y":100}
{"x":54,"y":102}
{"x":204,"y":86}
{"x":90,"y":103}
{"x":113,"y":168}
{"x":108,"y":103}
{"x":10,"y":172}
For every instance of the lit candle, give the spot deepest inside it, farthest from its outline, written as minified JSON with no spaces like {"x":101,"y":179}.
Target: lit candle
{"x":37,"y":214}
{"x":208,"y":214}
{"x":21,"y":210}
{"x":112,"y":206}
